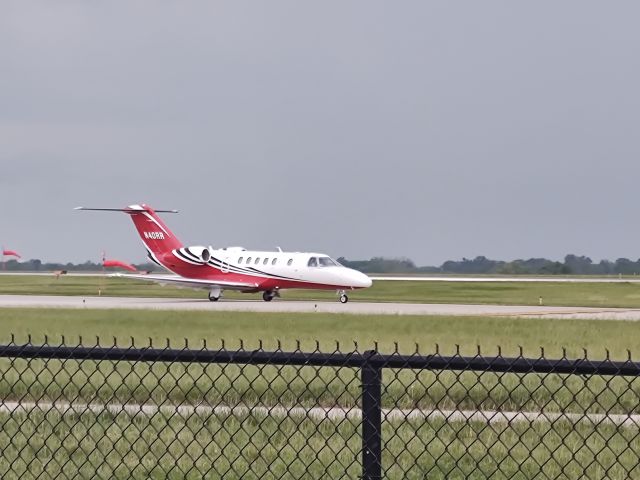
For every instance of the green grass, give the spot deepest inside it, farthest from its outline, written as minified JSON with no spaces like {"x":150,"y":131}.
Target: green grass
{"x":257,"y":447}
{"x":290,"y":385}
{"x":271,"y":385}
{"x":48,"y":445}
{"x":89,"y":445}
{"x":426,"y":331}
{"x":513,"y":293}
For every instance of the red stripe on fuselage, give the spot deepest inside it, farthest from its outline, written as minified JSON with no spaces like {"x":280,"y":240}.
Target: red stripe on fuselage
{"x":213,"y":274}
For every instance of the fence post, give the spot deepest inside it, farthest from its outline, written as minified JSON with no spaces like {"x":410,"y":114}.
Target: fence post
{"x":371,"y":419}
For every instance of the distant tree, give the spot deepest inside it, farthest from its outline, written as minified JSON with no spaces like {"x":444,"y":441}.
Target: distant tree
{"x":517,"y":267}
{"x":480,"y":264}
{"x":428,"y":269}
{"x":380,"y":265}
{"x":555,"y":268}
{"x":536,"y":265}
{"x":626,"y":266}
{"x":578,"y":265}
{"x":605,"y":267}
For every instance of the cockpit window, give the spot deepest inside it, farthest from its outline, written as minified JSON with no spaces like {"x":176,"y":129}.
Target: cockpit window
{"x":326,"y":262}
{"x":322,"y":262}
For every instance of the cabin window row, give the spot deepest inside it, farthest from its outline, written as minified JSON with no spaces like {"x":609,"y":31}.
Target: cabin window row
{"x":265,"y":261}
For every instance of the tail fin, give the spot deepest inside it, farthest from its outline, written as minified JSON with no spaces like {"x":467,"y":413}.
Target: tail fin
{"x":155,"y":235}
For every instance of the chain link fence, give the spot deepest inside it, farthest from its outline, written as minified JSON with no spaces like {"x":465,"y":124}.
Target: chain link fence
{"x":113,"y":412}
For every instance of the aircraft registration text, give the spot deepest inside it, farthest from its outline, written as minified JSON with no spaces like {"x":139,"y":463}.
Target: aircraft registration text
{"x":154,"y":235}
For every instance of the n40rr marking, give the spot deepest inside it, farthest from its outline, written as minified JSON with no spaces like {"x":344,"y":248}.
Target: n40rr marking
{"x":154,"y":235}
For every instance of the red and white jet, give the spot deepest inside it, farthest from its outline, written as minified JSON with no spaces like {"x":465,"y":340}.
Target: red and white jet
{"x":235,"y":268}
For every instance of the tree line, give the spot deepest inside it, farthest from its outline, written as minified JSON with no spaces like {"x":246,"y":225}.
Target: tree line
{"x":571,"y":265}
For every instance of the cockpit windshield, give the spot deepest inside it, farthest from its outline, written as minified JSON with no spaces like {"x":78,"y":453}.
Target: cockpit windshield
{"x":322,"y":262}
{"x":326,"y":262}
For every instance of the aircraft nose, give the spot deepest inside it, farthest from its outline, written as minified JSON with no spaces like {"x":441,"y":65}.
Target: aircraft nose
{"x":360,"y":280}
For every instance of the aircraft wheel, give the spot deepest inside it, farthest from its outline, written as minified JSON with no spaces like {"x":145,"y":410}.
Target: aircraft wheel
{"x":213,"y":298}
{"x":344,"y":298}
{"x":267,"y":296}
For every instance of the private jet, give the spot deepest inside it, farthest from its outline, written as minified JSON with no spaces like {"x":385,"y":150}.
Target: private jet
{"x":235,"y":268}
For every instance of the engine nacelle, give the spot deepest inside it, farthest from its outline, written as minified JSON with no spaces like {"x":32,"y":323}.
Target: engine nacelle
{"x":196,"y":254}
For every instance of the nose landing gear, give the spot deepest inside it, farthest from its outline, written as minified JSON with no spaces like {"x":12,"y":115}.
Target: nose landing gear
{"x":343,"y":296}
{"x":215,"y":294}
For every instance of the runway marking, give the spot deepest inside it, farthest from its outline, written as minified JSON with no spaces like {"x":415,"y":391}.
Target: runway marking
{"x":321,"y":413}
{"x":382,"y":278}
{"x":565,"y":312}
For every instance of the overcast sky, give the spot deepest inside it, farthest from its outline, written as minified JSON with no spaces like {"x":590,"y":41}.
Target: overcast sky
{"x":427,"y":129}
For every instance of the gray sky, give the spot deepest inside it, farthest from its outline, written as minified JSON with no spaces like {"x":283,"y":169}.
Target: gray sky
{"x":433,"y":130}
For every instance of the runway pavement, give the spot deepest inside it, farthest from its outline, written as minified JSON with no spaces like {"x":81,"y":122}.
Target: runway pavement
{"x":289,"y":306}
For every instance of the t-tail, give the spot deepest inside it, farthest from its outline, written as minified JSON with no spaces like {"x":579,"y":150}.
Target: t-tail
{"x":159,"y":241}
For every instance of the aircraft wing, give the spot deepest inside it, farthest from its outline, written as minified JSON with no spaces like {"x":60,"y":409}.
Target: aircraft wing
{"x":190,"y":282}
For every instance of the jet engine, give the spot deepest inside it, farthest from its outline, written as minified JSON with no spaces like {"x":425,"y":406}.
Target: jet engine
{"x":195,"y":254}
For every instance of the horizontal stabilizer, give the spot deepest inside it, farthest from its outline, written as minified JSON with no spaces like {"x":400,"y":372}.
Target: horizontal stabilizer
{"x":131,"y":209}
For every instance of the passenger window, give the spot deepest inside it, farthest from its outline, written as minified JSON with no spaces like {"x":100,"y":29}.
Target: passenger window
{"x":313,"y":262}
{"x":257,"y":260}
{"x":290,"y":262}
{"x":265,"y":261}
{"x":240,"y":260}
{"x":248,"y":260}
{"x":273,"y":262}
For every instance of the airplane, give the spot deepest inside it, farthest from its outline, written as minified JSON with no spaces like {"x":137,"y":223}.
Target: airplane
{"x":235,"y":268}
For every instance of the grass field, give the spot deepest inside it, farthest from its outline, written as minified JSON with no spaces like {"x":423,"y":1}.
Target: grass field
{"x":327,"y":329}
{"x":426,"y":331}
{"x":515,"y":293}
{"x":48,"y":445}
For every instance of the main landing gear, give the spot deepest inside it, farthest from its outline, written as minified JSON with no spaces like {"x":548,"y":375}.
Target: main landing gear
{"x":269,"y":295}
{"x":215,"y":294}
{"x":343,"y":297}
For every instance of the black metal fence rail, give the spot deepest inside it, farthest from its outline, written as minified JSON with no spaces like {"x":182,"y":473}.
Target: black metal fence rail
{"x":478,"y":363}
{"x":128,"y":412}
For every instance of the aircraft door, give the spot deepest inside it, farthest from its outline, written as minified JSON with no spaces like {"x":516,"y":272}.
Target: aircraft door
{"x":224,"y":265}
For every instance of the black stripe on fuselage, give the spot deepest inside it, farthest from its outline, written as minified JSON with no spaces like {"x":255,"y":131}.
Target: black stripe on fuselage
{"x":152,"y":257}
{"x":247,"y":270}
{"x":185,"y":258}
{"x":189,"y":253}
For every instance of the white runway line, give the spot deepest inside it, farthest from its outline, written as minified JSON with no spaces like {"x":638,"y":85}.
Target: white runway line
{"x":505,"y":279}
{"x":292,"y":306}
{"x":320,"y":413}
